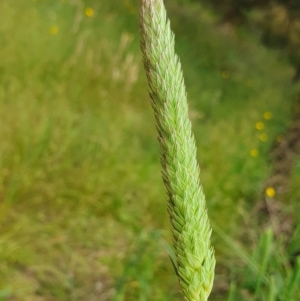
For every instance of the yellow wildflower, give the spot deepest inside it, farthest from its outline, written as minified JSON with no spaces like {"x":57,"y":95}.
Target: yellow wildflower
{"x":263,"y":137}
{"x":279,"y":138}
{"x":270,"y":192}
{"x":134,"y":284}
{"x":225,"y":74}
{"x":130,"y":6}
{"x":268,"y":115}
{"x":259,"y":125}
{"x":53,"y":30}
{"x":254,"y":152}
{"x":89,"y":12}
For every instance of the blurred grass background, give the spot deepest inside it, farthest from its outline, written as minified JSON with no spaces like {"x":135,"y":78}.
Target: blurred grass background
{"x":82,"y":205}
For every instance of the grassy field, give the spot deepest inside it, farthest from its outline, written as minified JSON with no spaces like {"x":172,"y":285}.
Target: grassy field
{"x":82,"y":204}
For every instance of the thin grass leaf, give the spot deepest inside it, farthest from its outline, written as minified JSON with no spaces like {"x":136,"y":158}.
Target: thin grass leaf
{"x":271,"y":293}
{"x":293,"y":281}
{"x":263,"y":254}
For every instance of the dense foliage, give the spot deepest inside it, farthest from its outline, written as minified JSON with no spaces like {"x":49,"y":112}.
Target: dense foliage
{"x":279,"y":22}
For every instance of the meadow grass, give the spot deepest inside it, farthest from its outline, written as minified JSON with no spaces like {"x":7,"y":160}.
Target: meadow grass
{"x":82,"y":207}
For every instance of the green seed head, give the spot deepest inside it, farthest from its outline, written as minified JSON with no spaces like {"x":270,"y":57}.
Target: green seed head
{"x":195,"y":261}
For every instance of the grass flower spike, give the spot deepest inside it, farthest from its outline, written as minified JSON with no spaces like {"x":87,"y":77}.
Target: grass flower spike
{"x":195,"y":261}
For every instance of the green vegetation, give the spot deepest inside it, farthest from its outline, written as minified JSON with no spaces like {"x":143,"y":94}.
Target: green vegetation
{"x":277,"y":20}
{"x":82,"y":207}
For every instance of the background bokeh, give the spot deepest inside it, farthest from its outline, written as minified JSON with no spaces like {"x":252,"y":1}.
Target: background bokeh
{"x":82,"y":205}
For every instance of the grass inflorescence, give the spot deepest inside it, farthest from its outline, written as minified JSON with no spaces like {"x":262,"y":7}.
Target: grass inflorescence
{"x":195,"y":261}
{"x":81,"y":199}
